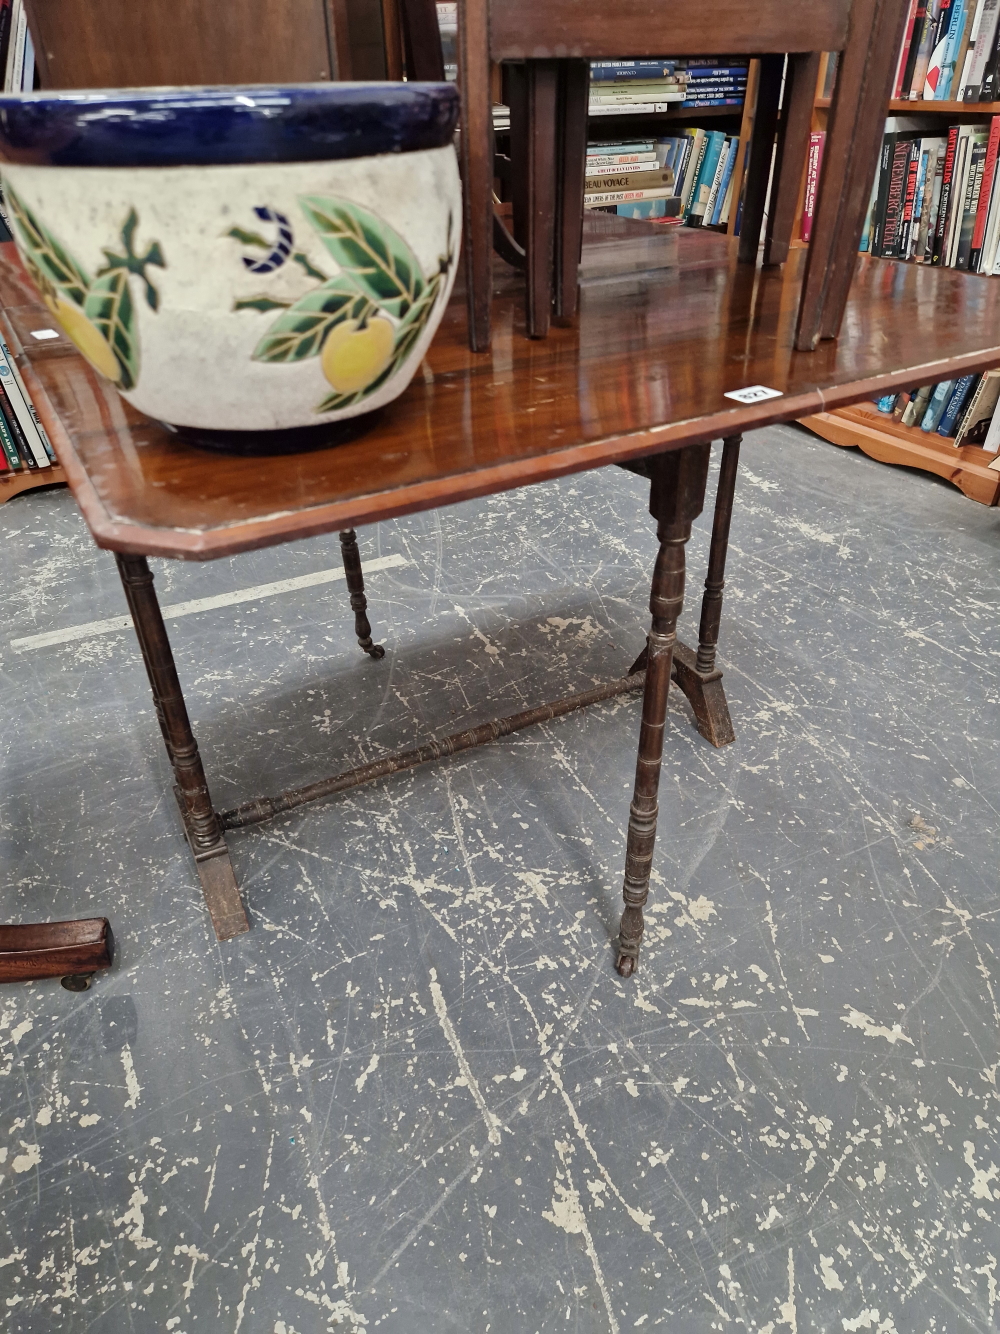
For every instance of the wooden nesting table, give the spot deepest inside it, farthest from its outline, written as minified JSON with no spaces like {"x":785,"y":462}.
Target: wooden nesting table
{"x":641,"y":381}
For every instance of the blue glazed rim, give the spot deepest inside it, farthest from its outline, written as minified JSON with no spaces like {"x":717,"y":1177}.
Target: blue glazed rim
{"x":200,"y":127}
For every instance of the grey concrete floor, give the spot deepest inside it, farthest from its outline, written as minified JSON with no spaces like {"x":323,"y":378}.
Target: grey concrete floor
{"x":416,"y":1097}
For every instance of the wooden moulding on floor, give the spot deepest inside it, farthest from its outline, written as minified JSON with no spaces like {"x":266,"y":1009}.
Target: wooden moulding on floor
{"x":13,"y":483}
{"x":878,"y":436}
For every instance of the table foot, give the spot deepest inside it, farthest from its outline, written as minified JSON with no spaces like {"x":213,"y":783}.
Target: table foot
{"x":705,"y":695}
{"x":73,"y":951}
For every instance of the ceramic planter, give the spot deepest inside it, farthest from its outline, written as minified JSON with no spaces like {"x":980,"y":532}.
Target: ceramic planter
{"x":241,"y":260}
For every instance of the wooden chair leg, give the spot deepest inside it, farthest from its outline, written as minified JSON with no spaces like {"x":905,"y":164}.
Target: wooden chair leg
{"x":758,"y":173}
{"x":677,"y":495}
{"x":476,"y":143}
{"x":793,"y":149}
{"x":571,"y":169}
{"x":201,"y":823}
{"x":356,"y":587}
{"x":542,"y":97}
{"x":850,"y":159}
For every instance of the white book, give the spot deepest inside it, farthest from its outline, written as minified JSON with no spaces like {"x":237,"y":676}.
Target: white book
{"x":730,"y":188}
{"x":631,"y":108}
{"x":992,"y":441}
{"x":691,"y":167}
{"x":630,"y":99}
{"x":985,"y":37}
{"x":15,"y":48}
{"x":962,"y":75}
{"x":28,"y":66}
{"x":620,"y":159}
{"x":23,"y":407}
{"x":956,"y":200}
{"x":622,"y":169}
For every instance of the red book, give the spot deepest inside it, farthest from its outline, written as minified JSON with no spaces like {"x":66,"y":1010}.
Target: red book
{"x":816,"y":141}
{"x":904,"y":50}
{"x":982,"y":212}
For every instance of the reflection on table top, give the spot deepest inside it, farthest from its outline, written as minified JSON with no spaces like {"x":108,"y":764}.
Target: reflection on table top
{"x":646,"y":369}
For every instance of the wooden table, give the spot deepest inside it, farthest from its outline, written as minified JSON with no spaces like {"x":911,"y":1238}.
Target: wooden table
{"x":641,"y":380}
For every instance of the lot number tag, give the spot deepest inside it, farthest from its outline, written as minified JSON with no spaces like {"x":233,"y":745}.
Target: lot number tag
{"x":756,"y":393}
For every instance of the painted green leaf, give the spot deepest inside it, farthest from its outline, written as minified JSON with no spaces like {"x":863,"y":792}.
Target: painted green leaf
{"x":377,"y":256}
{"x":300,"y":331}
{"x":55,"y":263}
{"x":108,"y":306}
{"x":261,"y":303}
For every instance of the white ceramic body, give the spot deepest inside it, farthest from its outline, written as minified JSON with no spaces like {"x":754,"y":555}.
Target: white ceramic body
{"x":195,"y":359}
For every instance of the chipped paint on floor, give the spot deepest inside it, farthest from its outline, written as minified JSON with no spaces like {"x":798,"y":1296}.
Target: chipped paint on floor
{"x":416,"y":1097}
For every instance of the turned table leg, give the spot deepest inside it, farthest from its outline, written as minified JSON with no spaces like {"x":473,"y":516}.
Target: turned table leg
{"x":676,"y":499}
{"x":204,"y":832}
{"x":356,"y":587}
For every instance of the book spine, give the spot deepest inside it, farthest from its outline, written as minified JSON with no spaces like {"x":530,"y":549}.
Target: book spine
{"x":695,"y":160}
{"x":956,"y":402}
{"x":705,"y":178}
{"x":632,"y":69}
{"x":24,"y":450}
{"x":713,"y":102}
{"x":629,"y":108}
{"x":909,"y":201}
{"x":985,"y":38}
{"x":956,"y":204}
{"x":985,"y":195}
{"x":630,"y":180}
{"x":895,"y":197}
{"x":732,"y":148}
{"x":24,"y":409}
{"x":919,"y":13}
{"x":964,"y":55}
{"x":936,"y":406}
{"x":956,"y":28}
{"x":917,"y":406}
{"x":916,"y":88}
{"x":897,"y":83}
{"x":623,"y":196}
{"x":814,"y":163}
{"x":714,"y":192}
{"x":602,"y":161}
{"x":946,"y":179}
{"x":878,"y":213}
{"x":11,"y":455}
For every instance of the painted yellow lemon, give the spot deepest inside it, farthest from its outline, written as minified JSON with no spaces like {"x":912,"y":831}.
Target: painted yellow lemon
{"x":352,"y":358}
{"x":88,"y":338}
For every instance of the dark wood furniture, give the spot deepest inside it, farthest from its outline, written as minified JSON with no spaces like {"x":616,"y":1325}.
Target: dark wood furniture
{"x":641,"y":378}
{"x":552,"y":41}
{"x":73,"y":951}
{"x":136,"y":43}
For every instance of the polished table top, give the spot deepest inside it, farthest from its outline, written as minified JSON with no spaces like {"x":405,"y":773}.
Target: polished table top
{"x":645,"y":370}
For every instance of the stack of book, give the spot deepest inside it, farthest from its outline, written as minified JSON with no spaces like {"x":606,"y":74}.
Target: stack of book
{"x":716,"y":81}
{"x":688,"y":177}
{"x":964,"y":410}
{"x":936,"y":198}
{"x":950,"y":52}
{"x":23,"y":442}
{"x":634,"y":87}
{"x":17,"y":52}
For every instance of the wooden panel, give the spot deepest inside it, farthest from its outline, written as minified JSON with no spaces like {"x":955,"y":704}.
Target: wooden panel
{"x":864,"y":428}
{"x":528,"y":29}
{"x":645,"y":369}
{"x":134,"y":43}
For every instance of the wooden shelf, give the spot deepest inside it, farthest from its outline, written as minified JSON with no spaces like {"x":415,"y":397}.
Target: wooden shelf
{"x":905,"y":107}
{"x":862,"y":426}
{"x":13,"y":483}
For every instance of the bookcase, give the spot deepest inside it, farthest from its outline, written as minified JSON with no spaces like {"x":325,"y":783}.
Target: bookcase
{"x":862,"y":426}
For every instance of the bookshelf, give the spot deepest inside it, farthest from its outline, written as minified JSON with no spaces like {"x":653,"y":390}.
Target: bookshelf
{"x":862,"y":426}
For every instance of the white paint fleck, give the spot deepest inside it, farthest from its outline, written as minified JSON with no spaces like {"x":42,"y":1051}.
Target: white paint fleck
{"x":359,"y":1083}
{"x":829,"y":1275}
{"x":24,"y":1162}
{"x":131,"y":1081}
{"x":857,"y":1019}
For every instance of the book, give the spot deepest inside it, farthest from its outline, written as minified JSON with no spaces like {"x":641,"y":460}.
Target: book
{"x":624,"y":196}
{"x":926,"y":38}
{"x":695,"y":212}
{"x":915,"y":23}
{"x":904,"y":49}
{"x":732,"y":149}
{"x":956,"y":403}
{"x":970,"y":205}
{"x":24,"y":450}
{"x":979,"y":410}
{"x":985,"y":195}
{"x":992,"y":234}
{"x":599,"y":161}
{"x":597,"y":169}
{"x":948,"y":171}
{"x":693,"y":164}
{"x":892,"y":212}
{"x":982,"y":50}
{"x":938,"y":44}
{"x":936,"y":405}
{"x":657,"y":178}
{"x":917,"y":406}
{"x":988,"y":88}
{"x":24,"y":409}
{"x":963,"y":54}
{"x":12,"y":457}
{"x":992,"y":441}
{"x":956,"y":205}
{"x":635,"y":99}
{"x":956,"y":29}
{"x":630,"y":108}
{"x":813,"y":164}
{"x":650,"y":209}
{"x":713,"y":102}
{"x":632,"y":69}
